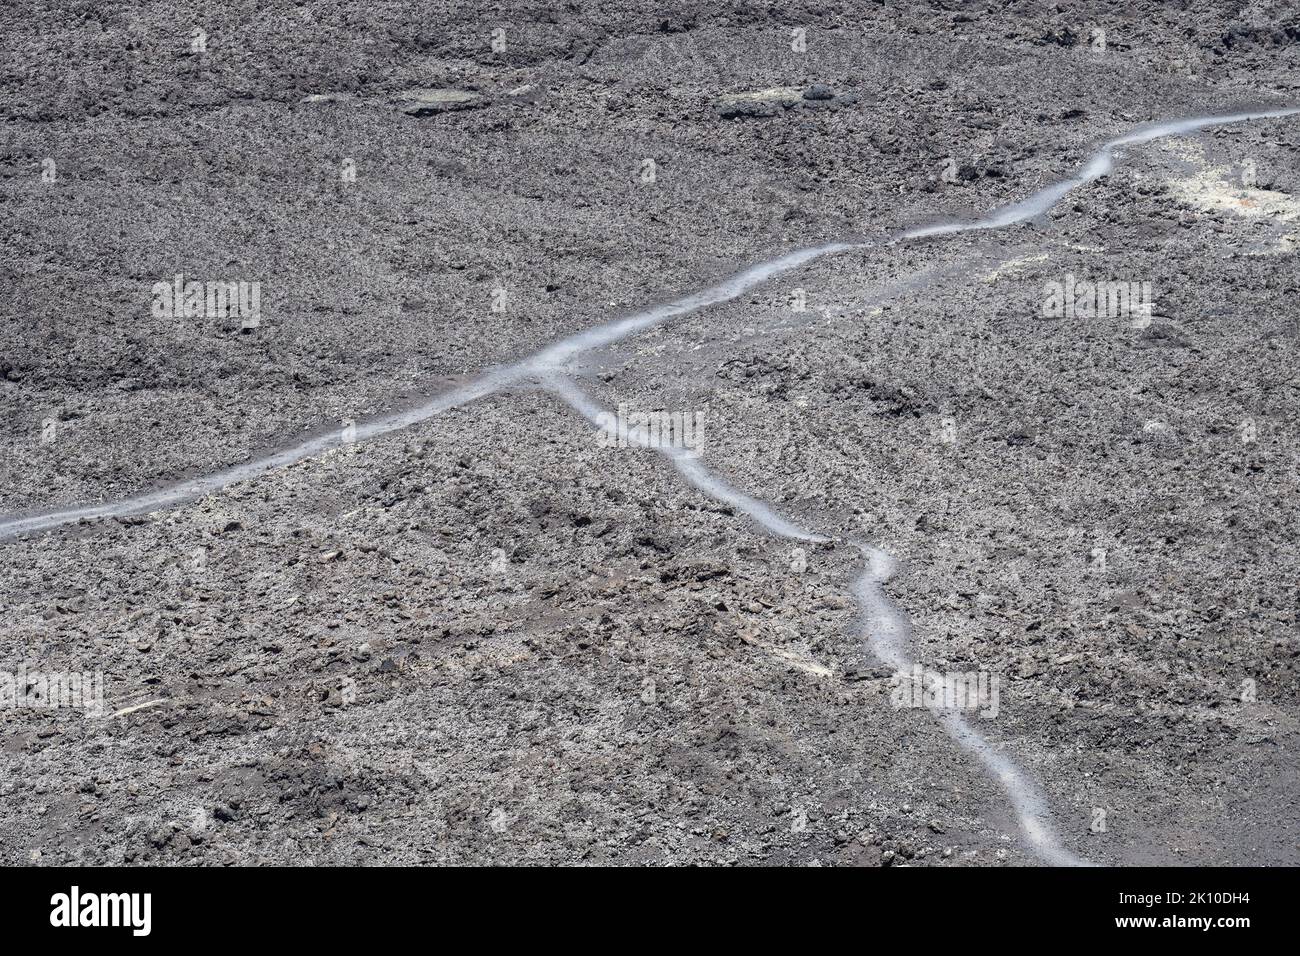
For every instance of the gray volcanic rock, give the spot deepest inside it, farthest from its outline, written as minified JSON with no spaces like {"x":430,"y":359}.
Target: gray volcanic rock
{"x":422,"y":102}
{"x":757,"y":103}
{"x":496,"y":635}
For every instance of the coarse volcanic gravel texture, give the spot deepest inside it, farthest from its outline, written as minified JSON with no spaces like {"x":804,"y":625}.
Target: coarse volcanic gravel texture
{"x":489,"y":639}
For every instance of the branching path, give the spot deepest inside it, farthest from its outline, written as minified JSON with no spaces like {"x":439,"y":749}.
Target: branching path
{"x":884,"y":627}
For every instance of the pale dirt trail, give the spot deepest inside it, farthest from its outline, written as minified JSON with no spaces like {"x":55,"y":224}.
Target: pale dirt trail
{"x":886,"y":629}
{"x":558,"y":355}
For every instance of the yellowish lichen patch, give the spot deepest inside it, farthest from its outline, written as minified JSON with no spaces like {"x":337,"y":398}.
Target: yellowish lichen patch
{"x":1014,"y":268}
{"x":1220,"y":189}
{"x":1214,"y":190}
{"x":775,"y":94}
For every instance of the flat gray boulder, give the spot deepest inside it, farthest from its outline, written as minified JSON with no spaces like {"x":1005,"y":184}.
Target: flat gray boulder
{"x":430,"y":102}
